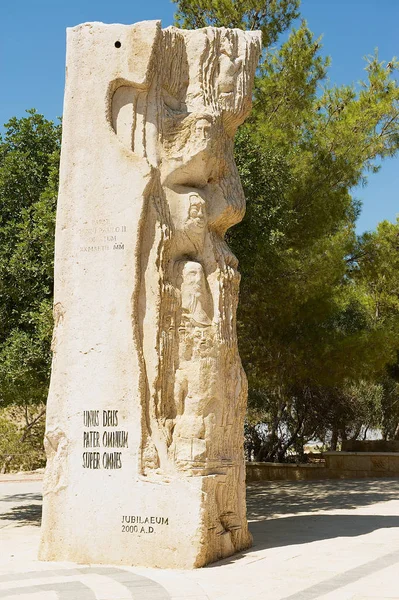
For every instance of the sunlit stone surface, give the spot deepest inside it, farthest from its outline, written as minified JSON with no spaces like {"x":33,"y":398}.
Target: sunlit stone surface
{"x":147,"y":399}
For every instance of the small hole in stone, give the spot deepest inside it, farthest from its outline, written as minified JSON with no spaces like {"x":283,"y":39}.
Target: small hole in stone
{"x":118,"y":44}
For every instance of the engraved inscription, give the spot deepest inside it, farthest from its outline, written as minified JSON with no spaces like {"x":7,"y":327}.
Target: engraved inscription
{"x":107,"y":438}
{"x":142,"y":524}
{"x":102,"y":235}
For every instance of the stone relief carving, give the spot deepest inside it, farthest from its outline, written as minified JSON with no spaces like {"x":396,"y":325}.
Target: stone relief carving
{"x":146,"y":322}
{"x":202,"y":90}
{"x":201,"y":87}
{"x":195,"y":391}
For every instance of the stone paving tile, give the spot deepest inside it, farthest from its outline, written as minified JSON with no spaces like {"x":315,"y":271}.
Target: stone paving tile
{"x":384,"y":583}
{"x":33,"y":596}
{"x":327,"y":540}
{"x":83,"y":584}
{"x":190,"y":597}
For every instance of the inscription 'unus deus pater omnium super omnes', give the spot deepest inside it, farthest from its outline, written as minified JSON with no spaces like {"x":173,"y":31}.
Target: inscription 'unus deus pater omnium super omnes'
{"x":109,"y":438}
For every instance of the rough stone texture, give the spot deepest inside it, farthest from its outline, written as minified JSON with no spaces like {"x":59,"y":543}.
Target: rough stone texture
{"x":362,"y":464}
{"x":147,"y":397}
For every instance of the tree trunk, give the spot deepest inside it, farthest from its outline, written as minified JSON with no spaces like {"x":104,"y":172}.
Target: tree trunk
{"x":6,"y":463}
{"x":291,"y":440}
{"x":9,"y":458}
{"x":356,"y":433}
{"x":334,"y":440}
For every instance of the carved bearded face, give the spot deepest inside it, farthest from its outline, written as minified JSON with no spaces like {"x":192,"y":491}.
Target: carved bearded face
{"x":194,"y":293}
{"x":193,"y":279}
{"x":196,"y":221}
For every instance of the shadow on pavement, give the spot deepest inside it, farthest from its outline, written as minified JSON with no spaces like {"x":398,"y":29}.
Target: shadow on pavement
{"x":269,"y":501}
{"x":271,"y":498}
{"x":21,"y":497}
{"x":303,"y":529}
{"x":26,"y":514}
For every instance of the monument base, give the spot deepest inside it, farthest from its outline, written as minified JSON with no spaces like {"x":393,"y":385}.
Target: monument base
{"x":141,"y":530}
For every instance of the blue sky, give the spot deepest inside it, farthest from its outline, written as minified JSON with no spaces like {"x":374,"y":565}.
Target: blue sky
{"x":32,"y":59}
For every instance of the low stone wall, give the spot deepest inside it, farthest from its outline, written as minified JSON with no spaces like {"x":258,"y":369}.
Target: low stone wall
{"x":264,"y":471}
{"x":338,"y":465}
{"x":346,"y":465}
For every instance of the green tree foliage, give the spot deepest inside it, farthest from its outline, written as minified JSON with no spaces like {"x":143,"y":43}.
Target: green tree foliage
{"x":29,"y":157}
{"x":311,"y":345}
{"x":307,"y":322}
{"x":318,"y":319}
{"x":21,"y":437}
{"x":375,"y":270}
{"x":270,"y":16}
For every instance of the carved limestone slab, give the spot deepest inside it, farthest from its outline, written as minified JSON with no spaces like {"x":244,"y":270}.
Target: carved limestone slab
{"x":147,"y":399}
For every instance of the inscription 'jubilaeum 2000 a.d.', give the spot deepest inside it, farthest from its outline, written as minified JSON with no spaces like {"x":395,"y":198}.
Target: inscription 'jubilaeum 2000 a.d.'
{"x":139,"y":524}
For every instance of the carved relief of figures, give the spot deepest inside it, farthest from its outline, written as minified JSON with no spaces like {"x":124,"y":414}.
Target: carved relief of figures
{"x":194,"y":388}
{"x":202,"y":89}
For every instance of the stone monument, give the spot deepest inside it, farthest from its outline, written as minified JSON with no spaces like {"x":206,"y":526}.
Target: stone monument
{"x":144,"y":434}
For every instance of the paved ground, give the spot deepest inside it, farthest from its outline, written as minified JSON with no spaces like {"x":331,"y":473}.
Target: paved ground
{"x":335,"y":540}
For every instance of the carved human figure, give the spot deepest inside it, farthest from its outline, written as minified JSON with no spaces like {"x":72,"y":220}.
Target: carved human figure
{"x":195,"y":376}
{"x":188,"y":212}
{"x":196,"y":221}
{"x":194,"y":349}
{"x":195,"y":301}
